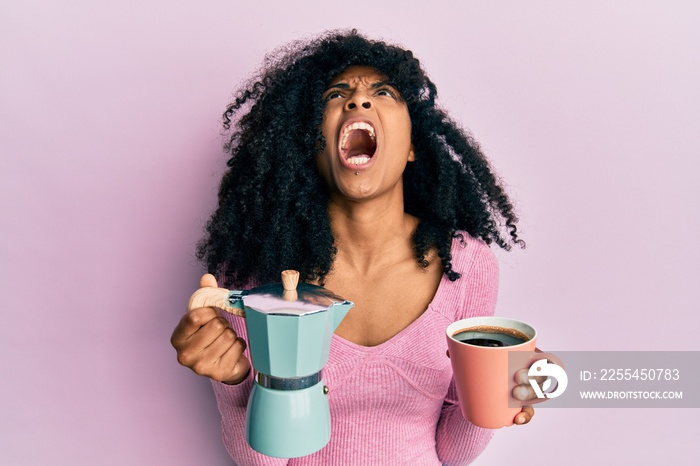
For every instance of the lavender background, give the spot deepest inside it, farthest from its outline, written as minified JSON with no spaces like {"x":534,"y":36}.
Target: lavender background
{"x":110,"y":159}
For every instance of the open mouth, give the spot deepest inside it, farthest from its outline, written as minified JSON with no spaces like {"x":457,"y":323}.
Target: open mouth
{"x":358,"y":143}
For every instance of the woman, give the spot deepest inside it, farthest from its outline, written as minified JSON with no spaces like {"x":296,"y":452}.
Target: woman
{"x":343,"y":168}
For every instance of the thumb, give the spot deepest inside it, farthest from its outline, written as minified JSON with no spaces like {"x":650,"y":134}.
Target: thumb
{"x":208,"y":280}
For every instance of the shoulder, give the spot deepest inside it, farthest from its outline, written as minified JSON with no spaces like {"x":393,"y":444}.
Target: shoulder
{"x":475,"y":292}
{"x":472,"y":255}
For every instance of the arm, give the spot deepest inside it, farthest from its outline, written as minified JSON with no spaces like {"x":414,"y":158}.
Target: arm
{"x":212,"y":344}
{"x":232,"y":401}
{"x":458,"y":441}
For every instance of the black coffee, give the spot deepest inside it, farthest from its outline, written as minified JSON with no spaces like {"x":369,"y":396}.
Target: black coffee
{"x":490,"y":336}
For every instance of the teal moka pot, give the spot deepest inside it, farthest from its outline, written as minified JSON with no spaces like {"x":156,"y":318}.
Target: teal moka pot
{"x":289,"y":328}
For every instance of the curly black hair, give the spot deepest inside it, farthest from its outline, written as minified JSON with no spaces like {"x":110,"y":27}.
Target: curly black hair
{"x":272,"y":212}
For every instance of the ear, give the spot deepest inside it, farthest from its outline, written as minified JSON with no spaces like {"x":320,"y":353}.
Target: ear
{"x":411,"y":154}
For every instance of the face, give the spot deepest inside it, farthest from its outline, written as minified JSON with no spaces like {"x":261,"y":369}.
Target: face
{"x":368,"y":135}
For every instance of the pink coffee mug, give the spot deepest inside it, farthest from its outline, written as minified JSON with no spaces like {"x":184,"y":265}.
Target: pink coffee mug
{"x":482,"y":376}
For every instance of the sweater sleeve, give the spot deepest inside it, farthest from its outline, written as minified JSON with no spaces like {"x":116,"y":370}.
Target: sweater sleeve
{"x":458,"y":441}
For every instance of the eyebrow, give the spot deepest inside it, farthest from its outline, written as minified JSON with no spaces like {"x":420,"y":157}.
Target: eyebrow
{"x":339,"y":86}
{"x":347,"y":86}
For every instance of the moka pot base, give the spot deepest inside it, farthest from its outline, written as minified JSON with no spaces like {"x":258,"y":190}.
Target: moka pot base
{"x":288,"y":423}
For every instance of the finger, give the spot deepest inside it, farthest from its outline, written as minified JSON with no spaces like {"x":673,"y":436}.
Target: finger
{"x":235,"y":363}
{"x":524,"y":392}
{"x":223,"y":360}
{"x":190,"y":323}
{"x":521,"y":377}
{"x":219,"y":344}
{"x":208,"y":333}
{"x":208,"y":280}
{"x":524,"y":416}
{"x":191,"y":351}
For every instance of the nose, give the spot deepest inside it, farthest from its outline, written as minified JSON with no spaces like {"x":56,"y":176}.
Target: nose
{"x":358,"y":99}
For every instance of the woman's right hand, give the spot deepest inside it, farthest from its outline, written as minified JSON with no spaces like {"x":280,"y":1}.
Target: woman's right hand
{"x":206,"y":343}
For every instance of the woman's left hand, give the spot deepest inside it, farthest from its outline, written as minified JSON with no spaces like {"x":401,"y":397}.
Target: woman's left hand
{"x":524,"y":392}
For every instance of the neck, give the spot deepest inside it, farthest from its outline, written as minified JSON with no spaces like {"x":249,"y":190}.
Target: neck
{"x":370,"y":233}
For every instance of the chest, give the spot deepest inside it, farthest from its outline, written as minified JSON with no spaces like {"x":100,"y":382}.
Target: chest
{"x":385,"y":302}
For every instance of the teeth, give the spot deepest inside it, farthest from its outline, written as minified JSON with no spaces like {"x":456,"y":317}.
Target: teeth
{"x":358,"y":160}
{"x":359,"y":125}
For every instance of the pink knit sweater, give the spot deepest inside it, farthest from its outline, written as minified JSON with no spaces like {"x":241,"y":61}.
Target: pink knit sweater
{"x":393,"y":403}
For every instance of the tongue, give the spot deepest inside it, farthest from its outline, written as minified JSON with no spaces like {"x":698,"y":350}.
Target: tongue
{"x":360,"y":143}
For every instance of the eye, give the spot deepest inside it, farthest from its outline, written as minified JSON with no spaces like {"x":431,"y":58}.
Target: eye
{"x":333,"y":95}
{"x":386,"y":93}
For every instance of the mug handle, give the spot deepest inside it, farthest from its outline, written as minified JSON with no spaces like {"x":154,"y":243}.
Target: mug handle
{"x":549,"y":365}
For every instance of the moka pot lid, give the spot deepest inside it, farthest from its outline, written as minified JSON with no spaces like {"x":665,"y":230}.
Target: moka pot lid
{"x":274,"y":299}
